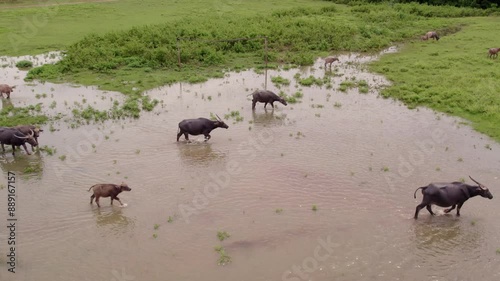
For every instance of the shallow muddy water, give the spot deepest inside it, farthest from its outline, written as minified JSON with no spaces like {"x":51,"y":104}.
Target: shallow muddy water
{"x":357,"y":157}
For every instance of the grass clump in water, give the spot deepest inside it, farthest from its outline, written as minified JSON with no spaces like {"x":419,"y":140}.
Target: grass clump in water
{"x":222,"y":235}
{"x":278,"y":80}
{"x":224,"y":258}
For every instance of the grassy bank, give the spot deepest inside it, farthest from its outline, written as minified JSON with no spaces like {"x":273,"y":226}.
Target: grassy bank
{"x":452,"y":75}
{"x":146,"y":56}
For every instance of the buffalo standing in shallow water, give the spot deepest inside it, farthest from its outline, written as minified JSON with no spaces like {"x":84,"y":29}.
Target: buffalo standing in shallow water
{"x":266,"y":97}
{"x":15,"y":137}
{"x":26,"y":129}
{"x":107,"y":190}
{"x":452,"y":195}
{"x":199,"y":126}
{"x":330,"y":60}
{"x":6,"y":89}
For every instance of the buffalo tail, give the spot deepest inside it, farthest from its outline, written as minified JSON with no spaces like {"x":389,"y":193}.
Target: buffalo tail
{"x":415,"y":193}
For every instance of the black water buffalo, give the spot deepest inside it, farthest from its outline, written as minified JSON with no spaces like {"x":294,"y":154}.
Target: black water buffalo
{"x":107,"y":190}
{"x":25,"y":129}
{"x":199,"y":126}
{"x":266,"y":97}
{"x":15,"y":138}
{"x":452,"y":194}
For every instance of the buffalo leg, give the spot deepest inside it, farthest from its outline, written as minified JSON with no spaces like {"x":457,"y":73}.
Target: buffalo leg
{"x":207,"y":137}
{"x":13,"y":150}
{"x":97,"y":201}
{"x":458,"y":208}
{"x":179,"y":135}
{"x":265,"y":104}
{"x":3,"y":148}
{"x":419,"y":207}
{"x":116,"y":198}
{"x":186,"y":136}
{"x":450,"y":209}
{"x":253,"y":104}
{"x":272,"y":104}
{"x":26,"y":149}
{"x":429,"y":209}
{"x":92,"y":198}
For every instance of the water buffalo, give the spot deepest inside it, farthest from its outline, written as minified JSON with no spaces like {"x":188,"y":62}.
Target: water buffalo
{"x":6,"y":89}
{"x":107,"y":190}
{"x":430,"y":34}
{"x":266,"y":97}
{"x":15,"y":138}
{"x":25,"y":129}
{"x":330,"y":60}
{"x":493,"y":52}
{"x":199,"y":126}
{"x":452,"y":194}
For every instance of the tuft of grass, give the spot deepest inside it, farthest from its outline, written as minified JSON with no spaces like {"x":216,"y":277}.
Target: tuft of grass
{"x":279,"y":211}
{"x":314,"y":208}
{"x":278,"y":80}
{"x":222,"y":235}
{"x":24,"y":64}
{"x":49,"y":150}
{"x":156,"y":226}
{"x":385,"y":169}
{"x":170,"y":219}
{"x":224,"y":258}
{"x":62,"y":157}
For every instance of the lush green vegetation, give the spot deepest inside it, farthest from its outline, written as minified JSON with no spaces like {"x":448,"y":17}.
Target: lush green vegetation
{"x":483,"y":4}
{"x":139,"y":58}
{"x":12,"y":116}
{"x":452,"y":75}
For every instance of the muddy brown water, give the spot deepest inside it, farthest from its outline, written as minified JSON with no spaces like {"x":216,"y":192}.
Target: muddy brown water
{"x":357,"y":157}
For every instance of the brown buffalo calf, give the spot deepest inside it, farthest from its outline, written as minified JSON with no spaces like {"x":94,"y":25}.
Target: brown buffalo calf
{"x":107,"y":190}
{"x":330,"y":60}
{"x":493,"y":52}
{"x":6,"y":89}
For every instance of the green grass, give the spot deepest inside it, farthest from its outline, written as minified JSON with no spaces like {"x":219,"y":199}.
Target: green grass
{"x":297,"y":35}
{"x":222,"y":235}
{"x":12,"y":116}
{"x":452,"y":75}
{"x":223,"y":256}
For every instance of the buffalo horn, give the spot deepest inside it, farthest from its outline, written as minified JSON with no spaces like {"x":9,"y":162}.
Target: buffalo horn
{"x":480,"y":185}
{"x":25,"y":137}
{"x":218,"y":117}
{"x":31,"y":133}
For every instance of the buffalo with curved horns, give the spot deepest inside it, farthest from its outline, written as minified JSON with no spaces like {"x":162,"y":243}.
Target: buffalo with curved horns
{"x":199,"y":126}
{"x":15,"y":138}
{"x":452,"y":195}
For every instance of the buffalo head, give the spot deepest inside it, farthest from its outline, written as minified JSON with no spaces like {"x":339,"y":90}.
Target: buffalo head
{"x":30,"y":138}
{"x":220,"y":124}
{"x":482,"y":190}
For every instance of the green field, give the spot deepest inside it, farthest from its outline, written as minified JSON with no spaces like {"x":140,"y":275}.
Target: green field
{"x":110,"y":43}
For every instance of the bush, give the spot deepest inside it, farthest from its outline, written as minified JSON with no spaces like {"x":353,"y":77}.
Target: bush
{"x":24,"y":64}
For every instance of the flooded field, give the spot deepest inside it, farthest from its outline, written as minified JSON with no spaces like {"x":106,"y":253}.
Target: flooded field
{"x":321,"y":189}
